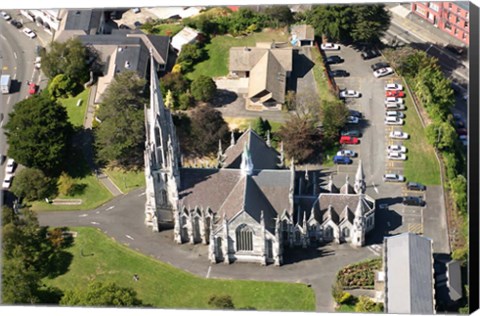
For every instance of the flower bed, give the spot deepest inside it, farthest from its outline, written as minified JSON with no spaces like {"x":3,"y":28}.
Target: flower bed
{"x":359,"y":275}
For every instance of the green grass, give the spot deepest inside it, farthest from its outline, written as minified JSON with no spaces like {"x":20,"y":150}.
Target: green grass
{"x":421,"y":164}
{"x":346,"y":308}
{"x":243,"y":123}
{"x":126,"y":180}
{"x":329,"y":153}
{"x":163,"y":286}
{"x":93,"y":195}
{"x":320,"y":78}
{"x":76,"y":113}
{"x":167,"y":29}
{"x":218,"y":49}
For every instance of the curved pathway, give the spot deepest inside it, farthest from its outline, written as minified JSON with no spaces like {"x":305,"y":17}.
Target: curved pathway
{"x":122,"y":219}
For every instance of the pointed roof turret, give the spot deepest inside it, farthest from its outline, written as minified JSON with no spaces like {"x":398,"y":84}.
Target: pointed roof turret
{"x":346,"y":188}
{"x":247,"y":164}
{"x":360,"y":185}
{"x":269,"y":142}
{"x":232,"y":139}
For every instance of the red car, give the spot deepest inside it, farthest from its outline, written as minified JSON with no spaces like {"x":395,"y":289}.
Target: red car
{"x":32,"y":88}
{"x":394,"y":93}
{"x":348,"y":140}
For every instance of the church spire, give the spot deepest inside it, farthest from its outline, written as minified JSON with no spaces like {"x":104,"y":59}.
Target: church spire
{"x":247,"y":164}
{"x":360,"y":185}
{"x":220,"y":156}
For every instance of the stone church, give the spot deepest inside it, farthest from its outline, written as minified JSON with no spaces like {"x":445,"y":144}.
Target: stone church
{"x":250,"y":207}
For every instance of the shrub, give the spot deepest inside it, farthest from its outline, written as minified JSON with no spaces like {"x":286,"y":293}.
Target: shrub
{"x":365,"y":304}
{"x":221,"y":301}
{"x":337,"y":292}
{"x":66,"y":184}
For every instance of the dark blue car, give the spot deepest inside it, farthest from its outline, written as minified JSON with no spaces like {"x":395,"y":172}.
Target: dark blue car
{"x":343,"y":160}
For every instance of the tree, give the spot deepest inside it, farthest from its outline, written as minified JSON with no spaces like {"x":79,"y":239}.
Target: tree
{"x":174,"y":82}
{"x":337,"y":292}
{"x":333,"y":21}
{"x":459,"y":192}
{"x":261,"y":126}
{"x":32,"y":184}
{"x":19,"y":283}
{"x":120,"y":137}
{"x":207,"y":127}
{"x":365,"y":304}
{"x":301,"y":138}
{"x":371,"y":22}
{"x":203,"y":88}
{"x":66,"y":184}
{"x":221,"y":301}
{"x":290,"y":100}
{"x":190,"y":55}
{"x":38,"y":133}
{"x":61,"y":86}
{"x":101,"y":294}
{"x":68,"y":58}
{"x":281,"y":15}
{"x":333,"y":116}
{"x":185,"y":101}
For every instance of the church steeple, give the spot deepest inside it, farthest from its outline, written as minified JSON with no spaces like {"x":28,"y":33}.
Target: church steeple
{"x":247,"y":164}
{"x":360,"y":185}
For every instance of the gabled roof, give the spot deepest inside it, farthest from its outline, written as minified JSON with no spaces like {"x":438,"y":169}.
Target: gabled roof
{"x":263,"y":156}
{"x":303,"y":32}
{"x":186,"y":36}
{"x":87,"y":20}
{"x":409,"y":282}
{"x":454,"y":280}
{"x":245,"y":58}
{"x":267,"y":80}
{"x":338,"y":202}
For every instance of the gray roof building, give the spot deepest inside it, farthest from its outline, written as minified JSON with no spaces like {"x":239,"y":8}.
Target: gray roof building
{"x":409,"y":275}
{"x":80,"y":22}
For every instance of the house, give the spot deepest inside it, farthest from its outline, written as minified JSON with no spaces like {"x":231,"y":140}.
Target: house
{"x":302,"y":35}
{"x":268,"y":67}
{"x":125,"y":50}
{"x":408,"y":275}
{"x":78,"y":22}
{"x":186,"y":36}
{"x":249,"y":207}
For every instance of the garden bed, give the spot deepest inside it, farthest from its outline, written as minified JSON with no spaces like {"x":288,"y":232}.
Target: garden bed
{"x":359,"y":275}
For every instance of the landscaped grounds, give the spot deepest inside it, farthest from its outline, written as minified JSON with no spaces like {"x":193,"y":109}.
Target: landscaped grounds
{"x":97,"y":257}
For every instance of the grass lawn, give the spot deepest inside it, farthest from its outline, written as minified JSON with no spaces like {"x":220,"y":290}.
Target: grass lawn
{"x":318,"y":73}
{"x":126,"y":180}
{"x":167,"y":29}
{"x":164,"y":286}
{"x":329,"y":154}
{"x":243,"y":123}
{"x":421,"y":164}
{"x":76,"y":113}
{"x":345,"y":308}
{"x":93,"y":195}
{"x":218,"y":50}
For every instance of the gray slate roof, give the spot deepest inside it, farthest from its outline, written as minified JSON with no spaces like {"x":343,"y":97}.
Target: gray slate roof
{"x":454,"y":280}
{"x":303,"y":32}
{"x":338,"y":202}
{"x":409,"y":274}
{"x":86,"y":20}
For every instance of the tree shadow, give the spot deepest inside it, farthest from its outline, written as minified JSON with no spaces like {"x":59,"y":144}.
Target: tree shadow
{"x":59,"y":264}
{"x":301,"y":66}
{"x":80,"y":157}
{"x":293,"y":255}
{"x":386,"y":221}
{"x":223,"y":97}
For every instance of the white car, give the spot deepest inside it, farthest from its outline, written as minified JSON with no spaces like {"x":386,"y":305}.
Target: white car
{"x":383,"y":72}
{"x":396,"y":148}
{"x":5,"y":15}
{"x":38,"y":62}
{"x":29,"y":32}
{"x":396,"y":156}
{"x":394,"y":106}
{"x":394,"y":86}
{"x":330,"y":46}
{"x":395,"y":114}
{"x":393,"y":177}
{"x":352,"y":120}
{"x":7,"y":182}
{"x":393,"y":100}
{"x":463,"y":137}
{"x":398,"y":135}
{"x":393,"y":120}
{"x":349,"y":94}
{"x":347,"y":153}
{"x":10,"y":165}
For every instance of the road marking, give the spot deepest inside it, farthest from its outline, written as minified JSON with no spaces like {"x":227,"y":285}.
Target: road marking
{"x":109,"y":208}
{"x":208,"y":272}
{"x":3,"y":37}
{"x":8,"y":100}
{"x":129,"y":237}
{"x":375,"y":187}
{"x":15,"y":55}
{"x":95,"y":223}
{"x":14,"y":76}
{"x":83,"y":215}
{"x":141,"y":194}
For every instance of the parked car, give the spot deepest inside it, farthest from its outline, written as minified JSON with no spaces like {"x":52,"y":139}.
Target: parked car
{"x":349,"y":94}
{"x":355,"y":113}
{"x":459,"y":124}
{"x":334,"y":59}
{"x":462,"y":131}
{"x":38,"y":62}
{"x":353,"y":133}
{"x":29,"y":32}
{"x":392,"y":120}
{"x":369,"y":54}
{"x":379,"y":65}
{"x":352,"y":120}
{"x":16,"y":23}
{"x":463,"y":137}
{"x":382,"y":72}
{"x":10,"y":167}
{"x":457,"y":116}
{"x":393,"y":177}
{"x":339,"y":73}
{"x":396,"y":148}
{"x":347,"y":153}
{"x":7,"y":181}
{"x":394,"y":106}
{"x":136,"y":10}
{"x":394,"y":87}
{"x":348,"y":140}
{"x":413,"y":201}
{"x":5,"y":15}
{"x":330,"y":46}
{"x":393,"y":155}
{"x":394,"y":94}
{"x":398,"y":135}
{"x":32,"y":88}
{"x":342,"y":160}
{"x":395,"y":114}
{"x":393,"y":100}
{"x":457,"y":50}
{"x":415,"y":186}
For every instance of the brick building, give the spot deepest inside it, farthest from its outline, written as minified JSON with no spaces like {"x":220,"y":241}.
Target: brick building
{"x":450,"y":17}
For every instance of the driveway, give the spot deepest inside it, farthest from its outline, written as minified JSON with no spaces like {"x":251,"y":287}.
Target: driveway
{"x":122,"y":219}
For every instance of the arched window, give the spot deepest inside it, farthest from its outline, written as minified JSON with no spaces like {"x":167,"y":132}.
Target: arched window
{"x":346,"y":232}
{"x":244,"y":238}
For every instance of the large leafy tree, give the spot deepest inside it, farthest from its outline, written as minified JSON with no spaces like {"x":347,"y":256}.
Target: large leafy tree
{"x":333,"y":116}
{"x":120,"y":137}
{"x":38,"y":133}
{"x":300,"y":137}
{"x":333,"y":21}
{"x":32,"y":184}
{"x":371,"y":22}
{"x":101,"y":294}
{"x":203,"y":88}
{"x":280,"y":15}
{"x":68,"y":58}
{"x":207,"y":127}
